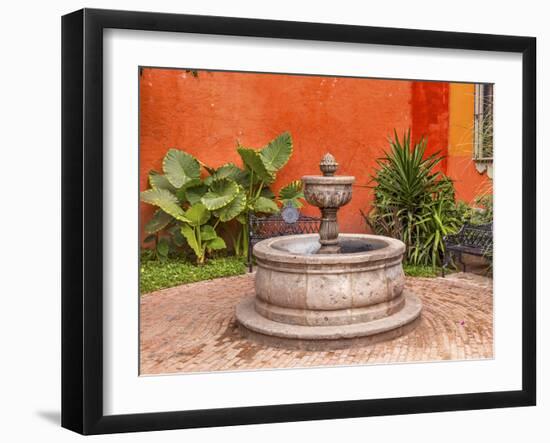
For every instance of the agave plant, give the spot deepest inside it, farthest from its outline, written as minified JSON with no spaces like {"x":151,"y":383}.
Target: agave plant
{"x":413,"y":201}
{"x":438,"y":219}
{"x":228,"y":193}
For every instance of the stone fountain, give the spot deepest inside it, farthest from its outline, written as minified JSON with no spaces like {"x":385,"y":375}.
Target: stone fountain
{"x":328,"y":290}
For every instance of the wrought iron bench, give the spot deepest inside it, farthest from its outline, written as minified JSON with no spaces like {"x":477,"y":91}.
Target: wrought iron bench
{"x":288,"y":222}
{"x":471,"y":239}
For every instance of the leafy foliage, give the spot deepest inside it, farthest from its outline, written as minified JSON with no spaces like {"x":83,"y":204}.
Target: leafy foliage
{"x":180,"y":168}
{"x":421,"y":271}
{"x":194,"y":194}
{"x":158,"y":222}
{"x":200,"y":236}
{"x":155,"y":275}
{"x":479,"y":214}
{"x":252,"y":160}
{"x":165,"y":200}
{"x":265,"y":205}
{"x":222,"y":192}
{"x":191,"y":208}
{"x":159,"y":181}
{"x":292,"y":193}
{"x":277,"y":153}
{"x":229,"y":171}
{"x":197,"y":215}
{"x":233,"y":209}
{"x":413,"y":201}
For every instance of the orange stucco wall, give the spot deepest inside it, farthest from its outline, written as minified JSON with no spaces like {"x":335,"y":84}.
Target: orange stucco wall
{"x":430,"y":116}
{"x":205,"y":115}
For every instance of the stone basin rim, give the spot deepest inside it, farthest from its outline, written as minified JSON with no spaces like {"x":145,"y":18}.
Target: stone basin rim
{"x":328,"y":180}
{"x":265,"y":251}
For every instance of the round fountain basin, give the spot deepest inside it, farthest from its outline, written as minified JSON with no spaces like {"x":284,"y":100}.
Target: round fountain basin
{"x":317,"y":301}
{"x":325,"y":290}
{"x":291,"y":274}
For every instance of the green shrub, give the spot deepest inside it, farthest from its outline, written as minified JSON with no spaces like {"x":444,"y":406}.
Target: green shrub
{"x":191,"y":209}
{"x":421,"y":271}
{"x":413,"y":201}
{"x":479,"y":214}
{"x":155,"y":275}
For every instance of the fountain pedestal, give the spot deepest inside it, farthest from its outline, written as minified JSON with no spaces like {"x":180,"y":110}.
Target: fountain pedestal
{"x":328,"y":193}
{"x":330,"y":290}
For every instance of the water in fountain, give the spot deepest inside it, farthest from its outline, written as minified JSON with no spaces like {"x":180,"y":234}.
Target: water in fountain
{"x":311,"y":245}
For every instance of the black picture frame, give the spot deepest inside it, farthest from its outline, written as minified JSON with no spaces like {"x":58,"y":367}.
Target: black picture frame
{"x":82,"y":219}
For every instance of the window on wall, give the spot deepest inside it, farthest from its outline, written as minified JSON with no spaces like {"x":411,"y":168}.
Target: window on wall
{"x":483,"y":128}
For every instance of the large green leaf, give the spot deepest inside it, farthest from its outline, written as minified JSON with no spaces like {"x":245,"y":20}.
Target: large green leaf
{"x":159,"y":181}
{"x":233,"y":209}
{"x":194,"y":194}
{"x":149,"y":238}
{"x":193,"y":183}
{"x":189,"y":233}
{"x":208,"y":233}
{"x":216,"y":244}
{"x":267,"y":193}
{"x":253,"y":161}
{"x":180,"y":167}
{"x":229,"y":170}
{"x":177,"y":238}
{"x":221,"y":193}
{"x":197,"y":214}
{"x":265,"y":205}
{"x":158,"y":222}
{"x":277,"y":153}
{"x":291,"y":194}
{"x":163,"y":247}
{"x":165,"y":200}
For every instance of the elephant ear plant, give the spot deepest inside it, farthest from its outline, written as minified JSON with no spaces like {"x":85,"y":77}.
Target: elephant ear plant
{"x":260,"y":168}
{"x":199,"y":235}
{"x":192,"y":223}
{"x":191,"y":208}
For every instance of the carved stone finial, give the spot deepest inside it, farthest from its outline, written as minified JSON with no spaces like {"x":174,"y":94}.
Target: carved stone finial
{"x":328,"y":165}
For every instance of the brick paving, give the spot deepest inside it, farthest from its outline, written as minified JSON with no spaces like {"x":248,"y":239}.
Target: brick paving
{"x":191,"y":328}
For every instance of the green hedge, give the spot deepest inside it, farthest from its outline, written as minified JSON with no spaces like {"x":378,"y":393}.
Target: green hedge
{"x":421,"y":271}
{"x":155,"y":275}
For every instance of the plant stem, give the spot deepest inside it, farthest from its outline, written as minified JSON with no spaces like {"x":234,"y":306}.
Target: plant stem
{"x":251,"y":186}
{"x":259,"y":190}
{"x":245,"y":238}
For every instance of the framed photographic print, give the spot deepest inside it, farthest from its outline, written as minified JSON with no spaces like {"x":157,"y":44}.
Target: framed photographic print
{"x":269,"y":221}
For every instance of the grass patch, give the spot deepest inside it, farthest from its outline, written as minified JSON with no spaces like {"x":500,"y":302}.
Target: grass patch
{"x":421,"y":271}
{"x":155,"y":275}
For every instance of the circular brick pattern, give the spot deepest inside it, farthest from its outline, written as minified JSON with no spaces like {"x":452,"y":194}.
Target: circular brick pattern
{"x":191,"y":328}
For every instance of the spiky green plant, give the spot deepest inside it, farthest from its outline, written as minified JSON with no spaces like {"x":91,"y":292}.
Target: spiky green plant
{"x":486,"y":127}
{"x":413,"y":201}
